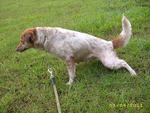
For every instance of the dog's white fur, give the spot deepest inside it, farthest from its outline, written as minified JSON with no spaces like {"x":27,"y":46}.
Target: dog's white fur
{"x":73,"y":46}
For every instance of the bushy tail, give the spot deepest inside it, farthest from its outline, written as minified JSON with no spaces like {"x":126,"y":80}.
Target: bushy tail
{"x":124,"y":37}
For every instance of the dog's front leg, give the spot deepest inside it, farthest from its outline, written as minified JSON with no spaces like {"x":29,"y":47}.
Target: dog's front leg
{"x":71,"y":70}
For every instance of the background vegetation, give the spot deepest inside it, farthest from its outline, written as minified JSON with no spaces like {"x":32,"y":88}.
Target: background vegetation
{"x":24,"y":81}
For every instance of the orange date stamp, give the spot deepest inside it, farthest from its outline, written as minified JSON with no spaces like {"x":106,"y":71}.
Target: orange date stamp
{"x":126,"y":105}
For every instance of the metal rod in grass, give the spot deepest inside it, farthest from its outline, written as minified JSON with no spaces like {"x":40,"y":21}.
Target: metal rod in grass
{"x":53,"y":82}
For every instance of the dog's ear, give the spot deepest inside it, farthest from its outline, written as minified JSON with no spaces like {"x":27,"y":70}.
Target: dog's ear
{"x":30,"y":36}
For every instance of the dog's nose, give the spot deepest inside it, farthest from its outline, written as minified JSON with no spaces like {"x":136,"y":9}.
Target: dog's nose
{"x":17,"y":49}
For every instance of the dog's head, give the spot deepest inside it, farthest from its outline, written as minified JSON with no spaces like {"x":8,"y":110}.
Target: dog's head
{"x":27,"y":39}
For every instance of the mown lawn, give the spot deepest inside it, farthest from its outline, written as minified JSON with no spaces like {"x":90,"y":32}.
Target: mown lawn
{"x":24,"y":80}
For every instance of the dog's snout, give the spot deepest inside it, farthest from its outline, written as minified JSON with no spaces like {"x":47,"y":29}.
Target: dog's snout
{"x":21,"y":49}
{"x":17,"y":49}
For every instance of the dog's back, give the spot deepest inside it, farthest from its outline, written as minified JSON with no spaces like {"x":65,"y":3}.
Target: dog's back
{"x":64,"y":42}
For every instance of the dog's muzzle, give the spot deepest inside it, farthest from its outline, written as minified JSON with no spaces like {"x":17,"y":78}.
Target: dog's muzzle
{"x":20,"y":49}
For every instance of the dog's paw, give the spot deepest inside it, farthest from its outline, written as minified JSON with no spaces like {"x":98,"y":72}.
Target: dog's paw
{"x":133,"y":73}
{"x":69,"y":83}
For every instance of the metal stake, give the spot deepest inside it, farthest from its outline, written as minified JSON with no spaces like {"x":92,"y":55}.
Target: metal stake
{"x":53,"y":82}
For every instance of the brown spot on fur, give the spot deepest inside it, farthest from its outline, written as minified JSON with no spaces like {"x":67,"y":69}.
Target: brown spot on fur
{"x":118,"y":42}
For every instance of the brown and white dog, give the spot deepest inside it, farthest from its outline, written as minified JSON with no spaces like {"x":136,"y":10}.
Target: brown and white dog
{"x":73,"y":46}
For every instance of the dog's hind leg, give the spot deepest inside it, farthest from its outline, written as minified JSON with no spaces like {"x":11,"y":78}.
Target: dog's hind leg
{"x":111,"y":61}
{"x":71,"y":67}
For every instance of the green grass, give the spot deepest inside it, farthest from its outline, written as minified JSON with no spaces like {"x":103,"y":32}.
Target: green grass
{"x":24,"y":81}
